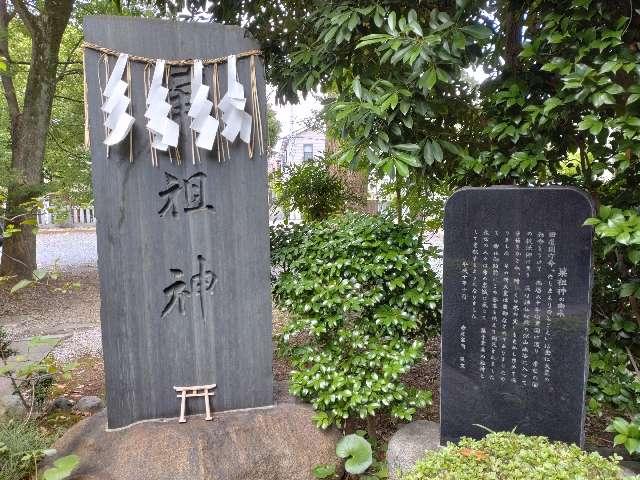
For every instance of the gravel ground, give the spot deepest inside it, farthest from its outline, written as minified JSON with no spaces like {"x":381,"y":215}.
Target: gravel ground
{"x":81,"y":343}
{"x":67,"y":248}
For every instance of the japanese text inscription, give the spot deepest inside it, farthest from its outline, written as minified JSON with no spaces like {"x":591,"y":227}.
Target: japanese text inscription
{"x":516,"y":305}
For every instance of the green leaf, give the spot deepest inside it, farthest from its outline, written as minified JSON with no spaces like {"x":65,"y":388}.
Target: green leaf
{"x":592,"y":221}
{"x":634,"y":256}
{"x":62,"y":468}
{"x":633,"y":98}
{"x":619,"y":439}
{"x":408,"y":159}
{"x":551,"y":103}
{"x":432,"y":78}
{"x":20,"y":285}
{"x":633,"y":121}
{"x":604,"y":212}
{"x":632,"y":445}
{"x":437,"y":151}
{"x":408,"y":147}
{"x":479,"y":32}
{"x":401,"y":168}
{"x":324,"y":471}
{"x":357,"y":88}
{"x":628,"y":289}
{"x":459,"y":40}
{"x":602,"y":98}
{"x":391,"y":21}
{"x":592,"y":124}
{"x":614,"y":89}
{"x":358,"y":453}
{"x":443,"y":75}
{"x":428,"y":154}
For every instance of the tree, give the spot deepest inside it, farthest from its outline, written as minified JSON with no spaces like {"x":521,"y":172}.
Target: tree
{"x":30,"y":114}
{"x":273,"y":131}
{"x":561,"y":106}
{"x":312,"y":188}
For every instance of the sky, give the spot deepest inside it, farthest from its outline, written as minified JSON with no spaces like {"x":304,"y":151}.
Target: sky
{"x":292,"y":116}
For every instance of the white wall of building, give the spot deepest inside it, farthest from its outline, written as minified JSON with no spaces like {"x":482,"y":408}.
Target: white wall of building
{"x":294,"y":148}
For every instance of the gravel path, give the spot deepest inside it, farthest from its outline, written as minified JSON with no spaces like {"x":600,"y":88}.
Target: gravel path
{"x":72,"y":248}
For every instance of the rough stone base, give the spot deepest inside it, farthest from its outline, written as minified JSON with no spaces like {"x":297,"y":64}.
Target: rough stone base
{"x":409,"y":444}
{"x":278,"y":443}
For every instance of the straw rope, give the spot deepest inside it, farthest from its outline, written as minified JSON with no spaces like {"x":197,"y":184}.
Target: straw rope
{"x":141,"y":59}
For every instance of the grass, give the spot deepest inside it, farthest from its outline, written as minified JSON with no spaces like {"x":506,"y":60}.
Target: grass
{"x":19,"y":443}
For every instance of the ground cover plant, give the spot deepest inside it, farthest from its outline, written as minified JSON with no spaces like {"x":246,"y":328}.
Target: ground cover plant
{"x":507,"y":455}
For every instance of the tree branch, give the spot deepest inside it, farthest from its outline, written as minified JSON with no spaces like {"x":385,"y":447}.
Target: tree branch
{"x":62,"y":97}
{"x":65,"y":65}
{"x":29,"y":19}
{"x":67,"y":73}
{"x":7,"y":82}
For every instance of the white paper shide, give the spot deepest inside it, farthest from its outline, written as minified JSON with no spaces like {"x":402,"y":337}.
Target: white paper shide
{"x":205,"y":126}
{"x":118,"y":122}
{"x":164,"y":131}
{"x":236,"y":120}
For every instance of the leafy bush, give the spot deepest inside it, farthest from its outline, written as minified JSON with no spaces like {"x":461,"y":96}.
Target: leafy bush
{"x":361,"y":294}
{"x":312,"y":189}
{"x":627,"y":433}
{"x":507,"y":455}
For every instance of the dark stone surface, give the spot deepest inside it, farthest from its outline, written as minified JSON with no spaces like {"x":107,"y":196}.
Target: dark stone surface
{"x":551,"y":402}
{"x":62,"y":403}
{"x":89,"y":404}
{"x":275,"y":443}
{"x":222,"y":335}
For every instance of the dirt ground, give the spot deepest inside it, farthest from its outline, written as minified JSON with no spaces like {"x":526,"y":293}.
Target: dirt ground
{"x":59,"y":307}
{"x":56,"y":306}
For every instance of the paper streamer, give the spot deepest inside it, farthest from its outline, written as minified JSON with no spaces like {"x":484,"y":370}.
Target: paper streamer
{"x":201,"y":121}
{"x":164,"y":131}
{"x":236,"y":120}
{"x":118,"y":121}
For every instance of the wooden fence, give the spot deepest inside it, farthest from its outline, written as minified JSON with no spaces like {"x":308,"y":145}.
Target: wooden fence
{"x":76,"y":216}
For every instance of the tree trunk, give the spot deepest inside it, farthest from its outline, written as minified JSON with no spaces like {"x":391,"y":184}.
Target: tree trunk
{"x":511,"y":25}
{"x":398,"y":188}
{"x":29,"y":131}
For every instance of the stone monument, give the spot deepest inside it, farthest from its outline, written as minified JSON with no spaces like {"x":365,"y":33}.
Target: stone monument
{"x":182,"y":230}
{"x":516,"y":308}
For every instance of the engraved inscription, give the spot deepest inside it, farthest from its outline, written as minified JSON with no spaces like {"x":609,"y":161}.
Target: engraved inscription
{"x":186,"y":194}
{"x":200,"y":283}
{"x":515,"y":290}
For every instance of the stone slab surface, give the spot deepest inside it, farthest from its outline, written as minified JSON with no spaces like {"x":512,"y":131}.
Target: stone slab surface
{"x":183,"y":250}
{"x":516,"y":308}
{"x":409,"y":444}
{"x":273,"y":443}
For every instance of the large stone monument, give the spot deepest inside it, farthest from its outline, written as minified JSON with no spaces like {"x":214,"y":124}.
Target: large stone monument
{"x":182,"y":230}
{"x":517,"y":301}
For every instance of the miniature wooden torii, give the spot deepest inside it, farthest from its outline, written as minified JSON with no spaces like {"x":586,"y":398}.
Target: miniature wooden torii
{"x":195,"y":391}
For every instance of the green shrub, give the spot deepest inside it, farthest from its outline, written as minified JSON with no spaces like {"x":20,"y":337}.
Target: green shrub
{"x":627,"y":433}
{"x":313,"y":189}
{"x":511,"y":456}
{"x":361,"y":296}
